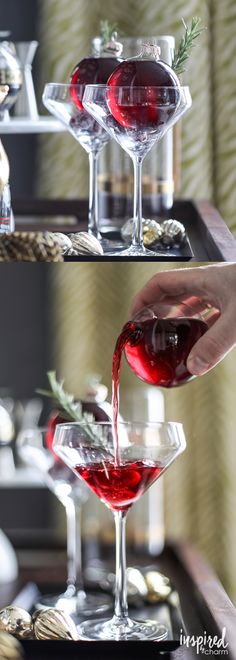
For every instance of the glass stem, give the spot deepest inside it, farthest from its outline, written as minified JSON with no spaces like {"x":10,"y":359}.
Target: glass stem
{"x":121,"y":607}
{"x":93,"y":195}
{"x":137,"y":236}
{"x":74,"y":551}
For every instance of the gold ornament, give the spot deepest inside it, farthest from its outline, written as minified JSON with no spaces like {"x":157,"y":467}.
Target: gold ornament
{"x":85,"y":243}
{"x":158,"y":587}
{"x":152,"y":231}
{"x":10,"y":648}
{"x":54,"y":624}
{"x":16,"y":621}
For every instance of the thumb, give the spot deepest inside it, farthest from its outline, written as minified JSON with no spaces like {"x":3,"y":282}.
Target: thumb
{"x":213,"y":346}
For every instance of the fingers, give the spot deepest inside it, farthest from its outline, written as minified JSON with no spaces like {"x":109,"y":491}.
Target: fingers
{"x":213,"y":345}
{"x":178,"y":284}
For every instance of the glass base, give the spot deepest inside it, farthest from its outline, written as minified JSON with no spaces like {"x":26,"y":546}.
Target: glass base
{"x":116,"y":629}
{"x":135,"y":251}
{"x":81,"y":604}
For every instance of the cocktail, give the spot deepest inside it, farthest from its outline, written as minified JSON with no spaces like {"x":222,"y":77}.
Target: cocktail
{"x":33,"y":449}
{"x":65,"y":103}
{"x":137,"y":117}
{"x":119,"y":475}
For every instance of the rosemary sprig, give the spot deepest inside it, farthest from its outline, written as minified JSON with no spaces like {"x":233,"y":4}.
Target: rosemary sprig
{"x":186,"y":44}
{"x":67,"y":404}
{"x":107,"y":30}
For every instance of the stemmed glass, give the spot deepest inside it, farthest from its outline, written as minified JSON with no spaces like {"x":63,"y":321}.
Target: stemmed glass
{"x":136,"y":117}
{"x":145,"y":452}
{"x":32,"y":449}
{"x":65,"y":103}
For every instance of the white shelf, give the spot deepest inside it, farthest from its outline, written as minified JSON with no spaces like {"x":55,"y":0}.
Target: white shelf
{"x":23,"y":477}
{"x":23,"y":125}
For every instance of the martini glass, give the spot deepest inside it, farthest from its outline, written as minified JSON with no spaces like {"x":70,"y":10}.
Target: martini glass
{"x":65,"y":103}
{"x":137,"y":117}
{"x":144,"y":453}
{"x":33,"y":450}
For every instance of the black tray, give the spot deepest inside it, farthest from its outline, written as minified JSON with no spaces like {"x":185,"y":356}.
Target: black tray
{"x":182,"y":253}
{"x":167,"y":613}
{"x":208,"y":234}
{"x":94,"y":650}
{"x":204,"y":607}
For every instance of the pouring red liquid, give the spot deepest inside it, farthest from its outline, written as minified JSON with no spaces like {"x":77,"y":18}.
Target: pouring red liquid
{"x":156,"y":349}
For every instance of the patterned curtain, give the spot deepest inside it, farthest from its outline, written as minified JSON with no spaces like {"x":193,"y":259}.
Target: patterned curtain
{"x":208,"y":145}
{"x":90,"y":303}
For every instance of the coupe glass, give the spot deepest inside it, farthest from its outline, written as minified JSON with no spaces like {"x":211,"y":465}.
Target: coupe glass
{"x":60,"y":100}
{"x":72,"y":493}
{"x":137,"y":117}
{"x":145,"y":451}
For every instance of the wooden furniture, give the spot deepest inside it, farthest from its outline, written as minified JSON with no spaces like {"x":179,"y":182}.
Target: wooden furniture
{"x":209,"y":236}
{"x":203,"y":606}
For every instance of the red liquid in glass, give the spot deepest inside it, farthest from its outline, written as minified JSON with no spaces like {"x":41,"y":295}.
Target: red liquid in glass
{"x":91,"y":71}
{"x":154,"y":106}
{"x":159,"y":352}
{"x":119,"y":486}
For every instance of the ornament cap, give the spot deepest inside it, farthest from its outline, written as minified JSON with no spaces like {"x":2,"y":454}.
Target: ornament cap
{"x":110,"y":47}
{"x":150,"y":49}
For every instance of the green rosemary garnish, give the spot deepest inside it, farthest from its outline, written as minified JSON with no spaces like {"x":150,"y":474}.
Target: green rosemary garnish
{"x":186,"y":44}
{"x":66,"y":402}
{"x":107,"y":30}
{"x":68,"y":406}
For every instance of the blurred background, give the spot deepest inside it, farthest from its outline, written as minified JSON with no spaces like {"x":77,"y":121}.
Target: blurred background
{"x":55,"y":166}
{"x":67,"y":317}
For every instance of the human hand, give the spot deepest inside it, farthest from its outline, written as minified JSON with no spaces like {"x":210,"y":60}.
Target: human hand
{"x":212,"y":285}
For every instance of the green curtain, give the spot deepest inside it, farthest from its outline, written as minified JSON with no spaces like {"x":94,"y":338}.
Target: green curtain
{"x":90,"y":303}
{"x":208,"y":144}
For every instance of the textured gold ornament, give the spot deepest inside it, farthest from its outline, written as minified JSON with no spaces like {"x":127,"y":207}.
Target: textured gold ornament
{"x":158,"y":587}
{"x":152,"y":231}
{"x":16,"y":621}
{"x":10,"y":648}
{"x":29,"y":246}
{"x":54,"y":624}
{"x":84,"y":243}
